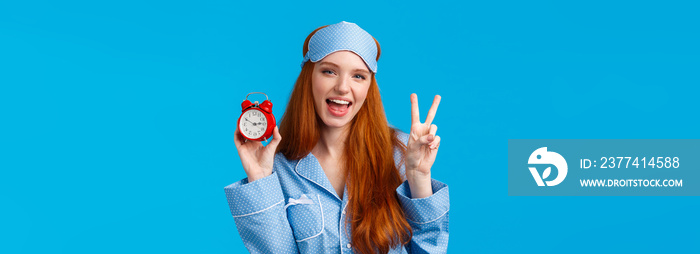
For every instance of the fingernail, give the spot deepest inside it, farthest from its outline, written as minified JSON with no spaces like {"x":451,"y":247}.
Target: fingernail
{"x":431,"y":137}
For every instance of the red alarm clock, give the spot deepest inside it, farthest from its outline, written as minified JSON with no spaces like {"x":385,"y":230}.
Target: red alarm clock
{"x":256,"y":122}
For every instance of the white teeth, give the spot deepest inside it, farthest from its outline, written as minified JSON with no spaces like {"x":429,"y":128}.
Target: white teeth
{"x":340,"y":102}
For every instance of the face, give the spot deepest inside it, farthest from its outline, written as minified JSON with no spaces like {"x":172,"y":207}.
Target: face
{"x":340,"y":82}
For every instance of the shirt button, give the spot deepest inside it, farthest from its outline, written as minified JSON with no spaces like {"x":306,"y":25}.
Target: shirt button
{"x":349,"y":246}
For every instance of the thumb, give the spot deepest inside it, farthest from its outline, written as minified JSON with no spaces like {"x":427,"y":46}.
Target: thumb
{"x":420,"y":141}
{"x":426,"y":139}
{"x":276,"y":138}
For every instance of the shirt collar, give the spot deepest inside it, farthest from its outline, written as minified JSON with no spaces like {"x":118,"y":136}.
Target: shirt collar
{"x":310,"y":169}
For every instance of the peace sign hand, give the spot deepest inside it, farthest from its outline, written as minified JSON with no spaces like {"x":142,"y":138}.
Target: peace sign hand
{"x":422,"y":149}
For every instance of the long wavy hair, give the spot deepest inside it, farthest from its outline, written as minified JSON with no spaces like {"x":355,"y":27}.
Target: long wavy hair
{"x":378,"y":223}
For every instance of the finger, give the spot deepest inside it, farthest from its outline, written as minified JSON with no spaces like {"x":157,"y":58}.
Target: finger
{"x":435,"y":144}
{"x":433,"y":129}
{"x":426,"y":139}
{"x":412,"y":141}
{"x":415,"y":142}
{"x":414,"y":136}
{"x":236,"y":138}
{"x":433,"y":110}
{"x":276,"y":138}
{"x":415,"y":115}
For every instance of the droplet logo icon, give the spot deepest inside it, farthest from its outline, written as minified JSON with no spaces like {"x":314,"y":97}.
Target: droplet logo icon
{"x":543,"y":157}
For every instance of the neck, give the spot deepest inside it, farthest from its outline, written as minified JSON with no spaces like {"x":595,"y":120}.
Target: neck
{"x":331,"y":142}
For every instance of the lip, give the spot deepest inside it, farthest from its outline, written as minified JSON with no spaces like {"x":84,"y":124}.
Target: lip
{"x":338,"y":113}
{"x":340,"y":98}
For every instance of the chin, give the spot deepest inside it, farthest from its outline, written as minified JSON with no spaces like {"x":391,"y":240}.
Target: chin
{"x":336,"y":123}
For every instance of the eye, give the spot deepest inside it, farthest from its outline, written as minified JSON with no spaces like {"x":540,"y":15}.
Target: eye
{"x":327,"y":72}
{"x":359,"y":76}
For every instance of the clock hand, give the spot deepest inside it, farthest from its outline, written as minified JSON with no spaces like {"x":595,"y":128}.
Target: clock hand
{"x":254,"y":124}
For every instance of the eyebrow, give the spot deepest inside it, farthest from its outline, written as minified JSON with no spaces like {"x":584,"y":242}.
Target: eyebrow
{"x":335,"y":65}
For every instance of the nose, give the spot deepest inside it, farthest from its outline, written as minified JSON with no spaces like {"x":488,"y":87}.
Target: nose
{"x":342,"y":86}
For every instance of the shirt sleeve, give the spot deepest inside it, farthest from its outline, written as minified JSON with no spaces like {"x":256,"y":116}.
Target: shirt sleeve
{"x":258,"y":210}
{"x":428,"y":217}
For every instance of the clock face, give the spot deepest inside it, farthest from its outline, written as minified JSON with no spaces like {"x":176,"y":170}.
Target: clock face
{"x":253,"y":124}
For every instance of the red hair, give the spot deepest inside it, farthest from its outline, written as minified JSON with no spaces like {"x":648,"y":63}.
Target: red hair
{"x":377,"y":221}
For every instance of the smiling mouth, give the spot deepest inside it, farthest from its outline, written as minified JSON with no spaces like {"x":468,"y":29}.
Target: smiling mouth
{"x":338,"y":103}
{"x":338,"y":107}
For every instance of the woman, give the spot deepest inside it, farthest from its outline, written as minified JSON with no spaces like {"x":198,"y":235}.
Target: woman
{"x":341,"y":180}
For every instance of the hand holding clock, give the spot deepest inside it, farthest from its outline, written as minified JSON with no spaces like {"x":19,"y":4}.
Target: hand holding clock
{"x":257,"y":159}
{"x":422,"y":149}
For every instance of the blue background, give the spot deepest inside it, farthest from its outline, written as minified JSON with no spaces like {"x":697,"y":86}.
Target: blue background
{"x":118,"y":116}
